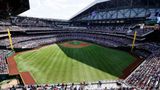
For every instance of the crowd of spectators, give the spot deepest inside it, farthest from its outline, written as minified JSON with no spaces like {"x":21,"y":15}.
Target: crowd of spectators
{"x":28,"y":21}
{"x":152,"y":46}
{"x":5,"y":22}
{"x":120,"y":29}
{"x":2,"y":29}
{"x":15,"y":40}
{"x":114,"y":30}
{"x":141,"y":53}
{"x":3,"y":62}
{"x":99,"y":85}
{"x":37,"y":28}
{"x":35,"y":41}
{"x":11,"y":28}
{"x":147,"y":75}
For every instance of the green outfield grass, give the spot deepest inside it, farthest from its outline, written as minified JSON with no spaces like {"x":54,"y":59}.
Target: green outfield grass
{"x":56,"y":63}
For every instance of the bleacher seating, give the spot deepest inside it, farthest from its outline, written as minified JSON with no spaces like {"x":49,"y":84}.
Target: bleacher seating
{"x":23,"y":41}
{"x":147,"y":75}
{"x":3,"y":63}
{"x":39,"y":32}
{"x":99,"y":85}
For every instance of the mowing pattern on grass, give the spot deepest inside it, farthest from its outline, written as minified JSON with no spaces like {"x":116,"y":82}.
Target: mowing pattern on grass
{"x":56,"y":63}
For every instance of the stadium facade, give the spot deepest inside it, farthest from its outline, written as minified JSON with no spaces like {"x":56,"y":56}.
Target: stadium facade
{"x":112,"y":11}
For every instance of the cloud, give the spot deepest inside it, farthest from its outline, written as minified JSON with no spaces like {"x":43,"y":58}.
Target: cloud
{"x":56,"y":9}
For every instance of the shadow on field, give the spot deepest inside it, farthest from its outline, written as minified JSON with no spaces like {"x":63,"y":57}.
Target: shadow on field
{"x":81,"y":55}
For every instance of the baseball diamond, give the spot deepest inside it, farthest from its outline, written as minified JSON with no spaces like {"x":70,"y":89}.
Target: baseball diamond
{"x":57,"y":63}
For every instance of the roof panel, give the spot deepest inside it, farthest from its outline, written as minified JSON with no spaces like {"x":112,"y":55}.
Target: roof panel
{"x":89,"y":6}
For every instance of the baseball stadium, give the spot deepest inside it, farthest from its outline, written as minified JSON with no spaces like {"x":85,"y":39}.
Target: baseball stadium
{"x":108,"y":45}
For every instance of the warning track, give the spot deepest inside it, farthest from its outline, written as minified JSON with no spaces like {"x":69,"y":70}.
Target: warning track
{"x":27,"y":78}
{"x":13,"y":70}
{"x":12,"y":66}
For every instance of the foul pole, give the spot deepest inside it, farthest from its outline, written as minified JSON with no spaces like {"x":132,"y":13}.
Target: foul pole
{"x":134,"y":40}
{"x":10,"y":39}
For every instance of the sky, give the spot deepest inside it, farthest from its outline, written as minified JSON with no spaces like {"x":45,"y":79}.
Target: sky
{"x":55,"y":9}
